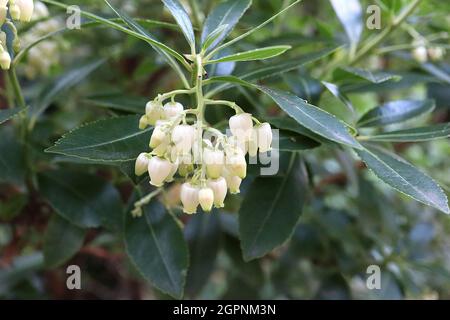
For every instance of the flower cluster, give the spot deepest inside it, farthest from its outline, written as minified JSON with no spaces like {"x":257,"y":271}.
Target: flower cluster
{"x":19,"y":10}
{"x":210,"y":162}
{"x":422,"y":54}
{"x":46,"y":53}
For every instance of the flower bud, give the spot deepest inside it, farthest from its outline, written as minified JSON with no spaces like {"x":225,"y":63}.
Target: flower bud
{"x":183,"y":138}
{"x":172,"y":173}
{"x":436,"y":53}
{"x":143,"y":122}
{"x":172,"y":110}
{"x":241,"y":125}
{"x":159,"y":169}
{"x":158,"y":135}
{"x":253,"y":143}
{"x":234,"y":182}
{"x":265,"y":137}
{"x":214,"y":161}
{"x":141,"y":165}
{"x":26,"y":9}
{"x":40,"y":11}
{"x":153,"y":111}
{"x":206,"y":199}
{"x":219,"y":187}
{"x":237,"y":165}
{"x":3,"y":13}
{"x":420,"y":54}
{"x":14,"y":11}
{"x":5,"y":60}
{"x":239,"y":143}
{"x":189,"y":198}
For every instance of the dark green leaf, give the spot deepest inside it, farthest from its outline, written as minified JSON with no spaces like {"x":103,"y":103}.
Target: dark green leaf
{"x":156,"y":246}
{"x":350,"y":14}
{"x":311,"y":117}
{"x":395,"y":111}
{"x":271,"y":209}
{"x":12,"y":161}
{"x":115,"y":139}
{"x":372,"y":76}
{"x":256,"y":54}
{"x":226,"y":13}
{"x":182,"y":18}
{"x":85,"y":200}
{"x":62,"y":240}
{"x":120,"y":102}
{"x":60,"y":85}
{"x":6,"y":114}
{"x":214,"y":36}
{"x":403,"y":177}
{"x":335,"y":91}
{"x":433,"y":132}
{"x":203,"y":235}
{"x":295,"y":142}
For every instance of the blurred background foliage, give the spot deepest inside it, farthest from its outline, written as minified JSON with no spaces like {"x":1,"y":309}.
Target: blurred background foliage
{"x":351,"y":220}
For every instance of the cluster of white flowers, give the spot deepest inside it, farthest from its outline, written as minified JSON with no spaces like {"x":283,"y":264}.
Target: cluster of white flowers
{"x":422,"y":54}
{"x":46,"y":53}
{"x":19,"y":10}
{"x":210,"y":162}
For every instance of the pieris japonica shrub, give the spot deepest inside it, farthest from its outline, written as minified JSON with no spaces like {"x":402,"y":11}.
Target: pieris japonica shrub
{"x":224,"y":149}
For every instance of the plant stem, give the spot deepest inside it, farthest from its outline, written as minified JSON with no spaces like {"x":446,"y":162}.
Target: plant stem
{"x":200,"y":107}
{"x":16,"y":87}
{"x":380,"y":37}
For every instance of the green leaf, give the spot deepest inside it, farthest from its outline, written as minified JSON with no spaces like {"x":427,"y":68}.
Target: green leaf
{"x":294,"y":142}
{"x":395,"y":111}
{"x":271,"y":209}
{"x":272,"y":69}
{"x":257,"y":54}
{"x":85,"y":200}
{"x":312,"y":118}
{"x":289,"y":124}
{"x":203,"y":236}
{"x":62,"y":240}
{"x":60,"y":85}
{"x":403,"y":177}
{"x":336,"y":92}
{"x":12,"y":160}
{"x":119,"y":102}
{"x":371,"y":76}
{"x":427,"y":133}
{"x":114,"y":139}
{"x":350,"y":14}
{"x":7,"y":114}
{"x":182,"y":18}
{"x":214,"y":36}
{"x":156,"y":246}
{"x":226,"y":13}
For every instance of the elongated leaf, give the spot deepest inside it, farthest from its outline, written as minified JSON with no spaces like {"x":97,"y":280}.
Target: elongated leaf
{"x":257,"y":54}
{"x":371,"y":76}
{"x":275,"y":69}
{"x":350,"y":14}
{"x":335,"y":91}
{"x":214,"y":36}
{"x":271,"y":209}
{"x":114,"y":139}
{"x":226,"y":13}
{"x":311,"y":117}
{"x":182,"y":18}
{"x":60,"y":85}
{"x":289,"y":124}
{"x":395,"y":111}
{"x":7,"y":114}
{"x":294,"y":142}
{"x":62,"y":240}
{"x":155,"y":244}
{"x":12,"y":160}
{"x":433,"y":132}
{"x":203,"y":235}
{"x":404,"y":177}
{"x":84,"y":199}
{"x":119,"y":102}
